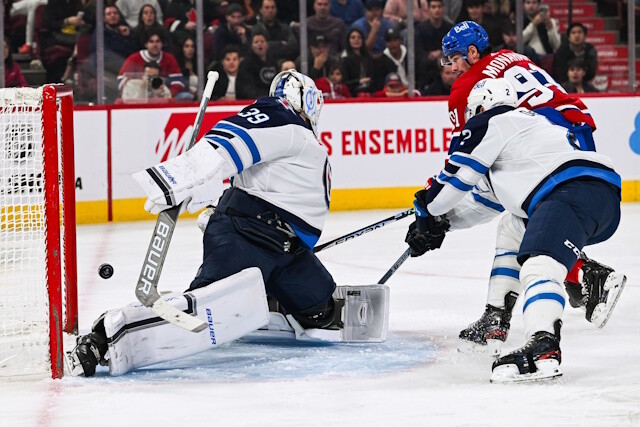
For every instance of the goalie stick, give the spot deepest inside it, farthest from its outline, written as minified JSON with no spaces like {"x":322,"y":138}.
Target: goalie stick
{"x":147,"y":286}
{"x":365,"y":230}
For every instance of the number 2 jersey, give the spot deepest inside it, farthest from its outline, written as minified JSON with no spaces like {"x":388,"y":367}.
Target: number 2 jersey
{"x":271,"y":153}
{"x":534,"y":86}
{"x":519,"y":156}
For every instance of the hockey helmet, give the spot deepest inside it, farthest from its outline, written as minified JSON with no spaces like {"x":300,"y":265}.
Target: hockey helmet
{"x":463,"y":35}
{"x":301,"y":92}
{"x":489,"y":93}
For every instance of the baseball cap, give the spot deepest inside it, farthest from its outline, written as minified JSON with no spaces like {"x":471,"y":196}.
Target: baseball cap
{"x":370,"y":4}
{"x":232,"y":8}
{"x":392,"y":34}
{"x":318,"y":39}
{"x":392,"y":79}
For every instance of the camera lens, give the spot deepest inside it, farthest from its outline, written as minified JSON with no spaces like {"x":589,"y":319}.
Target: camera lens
{"x":156,"y":82}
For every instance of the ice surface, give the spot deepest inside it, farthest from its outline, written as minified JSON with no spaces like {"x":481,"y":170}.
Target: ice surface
{"x":417,"y":377}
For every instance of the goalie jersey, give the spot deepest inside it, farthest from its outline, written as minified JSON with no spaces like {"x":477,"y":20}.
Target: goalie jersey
{"x":519,"y":156}
{"x":271,"y":153}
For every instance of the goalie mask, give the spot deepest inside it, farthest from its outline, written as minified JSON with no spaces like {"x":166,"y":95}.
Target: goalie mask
{"x":489,"y":93}
{"x":301,"y":92}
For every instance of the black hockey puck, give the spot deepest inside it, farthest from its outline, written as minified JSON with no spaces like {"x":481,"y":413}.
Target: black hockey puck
{"x":105,"y":271}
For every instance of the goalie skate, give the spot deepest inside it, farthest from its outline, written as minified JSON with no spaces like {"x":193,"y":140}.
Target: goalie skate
{"x":363,"y":317}
{"x":539,"y":359}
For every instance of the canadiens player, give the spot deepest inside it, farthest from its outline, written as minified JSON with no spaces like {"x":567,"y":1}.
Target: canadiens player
{"x":590,"y":285}
{"x":568,"y":197}
{"x":257,"y":242}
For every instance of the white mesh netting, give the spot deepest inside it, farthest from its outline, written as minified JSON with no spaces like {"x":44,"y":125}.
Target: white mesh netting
{"x":24,"y":315}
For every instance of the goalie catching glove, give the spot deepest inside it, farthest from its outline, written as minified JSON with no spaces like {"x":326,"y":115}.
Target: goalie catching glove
{"x":427,"y":232}
{"x":193,"y":177}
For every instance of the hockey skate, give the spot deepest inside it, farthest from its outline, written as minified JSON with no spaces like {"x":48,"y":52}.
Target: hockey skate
{"x":598,"y":292}
{"x":87,"y":354}
{"x":491,"y":329}
{"x":539,"y":359}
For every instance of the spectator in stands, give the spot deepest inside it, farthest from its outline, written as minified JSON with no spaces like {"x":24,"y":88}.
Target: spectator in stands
{"x":510,"y":41}
{"x":428,"y":38}
{"x":188,"y":63}
{"x":396,"y":12}
{"x":27,"y":8}
{"x":373,"y":26}
{"x":12,"y":75}
{"x":256,"y":70}
{"x":329,"y":26}
{"x":233,"y":32}
{"x":363,"y":72}
{"x":575,"y":46}
{"x":63,"y":21}
{"x":180,"y":19}
{"x":452,"y":9}
{"x":493,"y":24}
{"x":169,"y":69}
{"x":225,"y":88}
{"x":118,"y":45}
{"x":576,"y":73}
{"x":347,"y":10}
{"x":149,"y":86}
{"x":397,"y":53}
{"x":442,"y":84}
{"x":357,"y":65}
{"x":322,"y":58}
{"x":131,"y":9}
{"x":147,"y":21}
{"x":540,"y":30}
{"x":283,"y":43}
{"x":332,"y":86}
{"x":393,"y":88}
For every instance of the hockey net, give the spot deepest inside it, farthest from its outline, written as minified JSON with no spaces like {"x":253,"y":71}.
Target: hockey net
{"x":37,"y":230}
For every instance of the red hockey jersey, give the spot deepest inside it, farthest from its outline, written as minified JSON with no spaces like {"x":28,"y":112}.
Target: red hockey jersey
{"x":534,"y":86}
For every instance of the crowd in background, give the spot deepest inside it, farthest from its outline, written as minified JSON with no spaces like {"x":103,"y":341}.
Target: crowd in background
{"x":357,"y":48}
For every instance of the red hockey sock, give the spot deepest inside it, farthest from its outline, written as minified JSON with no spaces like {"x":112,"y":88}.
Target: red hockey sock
{"x":572,"y":276}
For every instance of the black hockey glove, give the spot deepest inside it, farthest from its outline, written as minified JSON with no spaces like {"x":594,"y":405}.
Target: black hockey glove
{"x":427,"y":232}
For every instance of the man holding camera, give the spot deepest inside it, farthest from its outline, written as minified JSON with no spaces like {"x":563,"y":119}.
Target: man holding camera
{"x":169,"y":69}
{"x":540,"y":30}
{"x":150,"y":86}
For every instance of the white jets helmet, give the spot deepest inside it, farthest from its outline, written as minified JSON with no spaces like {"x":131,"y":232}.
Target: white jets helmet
{"x":489,"y":93}
{"x":301,"y":92}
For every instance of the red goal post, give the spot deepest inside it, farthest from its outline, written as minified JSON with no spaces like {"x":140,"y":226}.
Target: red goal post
{"x":38,"y":278}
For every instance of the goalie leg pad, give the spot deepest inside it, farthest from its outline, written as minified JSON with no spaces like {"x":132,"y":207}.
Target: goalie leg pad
{"x":233,"y":307}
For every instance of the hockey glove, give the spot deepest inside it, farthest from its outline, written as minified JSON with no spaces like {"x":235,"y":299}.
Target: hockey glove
{"x":427,"y":232}
{"x":194,"y":177}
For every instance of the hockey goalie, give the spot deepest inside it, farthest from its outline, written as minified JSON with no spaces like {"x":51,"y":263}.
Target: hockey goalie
{"x":258,"y":242}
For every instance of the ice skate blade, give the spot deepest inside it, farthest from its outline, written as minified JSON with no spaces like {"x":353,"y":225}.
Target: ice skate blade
{"x":491,"y":348}
{"x":509,"y":374}
{"x":614,"y":285}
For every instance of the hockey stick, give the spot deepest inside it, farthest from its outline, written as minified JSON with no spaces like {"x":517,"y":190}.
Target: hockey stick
{"x":395,"y":267}
{"x":147,"y":286}
{"x":365,"y":230}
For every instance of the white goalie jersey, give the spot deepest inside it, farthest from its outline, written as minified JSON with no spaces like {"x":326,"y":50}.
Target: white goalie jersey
{"x":271,"y":153}
{"x":510,"y":160}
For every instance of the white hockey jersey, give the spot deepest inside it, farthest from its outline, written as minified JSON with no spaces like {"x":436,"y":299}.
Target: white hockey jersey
{"x":512,"y":159}
{"x":271,"y":153}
